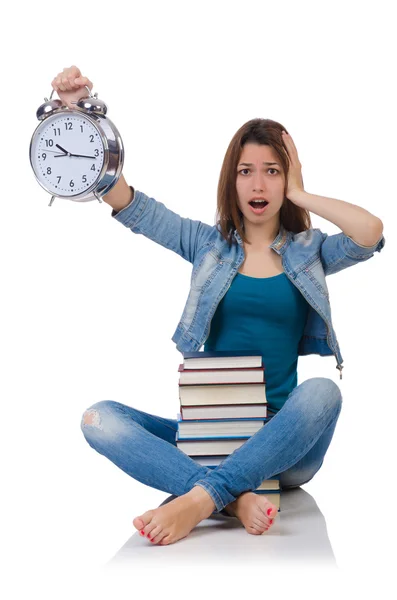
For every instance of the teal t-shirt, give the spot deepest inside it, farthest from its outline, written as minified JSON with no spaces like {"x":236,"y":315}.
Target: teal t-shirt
{"x":266,"y":314}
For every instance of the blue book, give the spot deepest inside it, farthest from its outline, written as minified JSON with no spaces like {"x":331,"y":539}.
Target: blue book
{"x":238,"y":358}
{"x":221,"y":353}
{"x":218,"y":428}
{"x":179,"y":418}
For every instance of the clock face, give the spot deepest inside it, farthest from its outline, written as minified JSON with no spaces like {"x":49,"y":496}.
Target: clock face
{"x":67,"y":154}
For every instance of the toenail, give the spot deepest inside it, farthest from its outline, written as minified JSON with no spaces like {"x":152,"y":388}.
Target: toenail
{"x":141,"y":532}
{"x":269,"y":510}
{"x":148,"y":536}
{"x":152,"y":540}
{"x":270,"y":520}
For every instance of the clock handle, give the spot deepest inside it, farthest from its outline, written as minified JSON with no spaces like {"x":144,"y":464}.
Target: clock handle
{"x":86,"y":86}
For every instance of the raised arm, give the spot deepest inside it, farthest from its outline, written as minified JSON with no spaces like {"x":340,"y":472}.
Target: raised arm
{"x":135,"y":209}
{"x":155,"y":221}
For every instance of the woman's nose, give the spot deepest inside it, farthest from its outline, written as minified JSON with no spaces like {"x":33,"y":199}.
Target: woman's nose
{"x":259,"y":182}
{"x":259,"y":185}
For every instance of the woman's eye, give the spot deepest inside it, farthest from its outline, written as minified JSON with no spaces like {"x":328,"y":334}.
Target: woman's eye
{"x":271,"y":169}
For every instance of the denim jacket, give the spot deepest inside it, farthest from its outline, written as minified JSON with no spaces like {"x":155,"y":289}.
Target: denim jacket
{"x":307,"y":258}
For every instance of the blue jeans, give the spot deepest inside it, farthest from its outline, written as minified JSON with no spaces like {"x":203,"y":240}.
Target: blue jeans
{"x":291,"y":445}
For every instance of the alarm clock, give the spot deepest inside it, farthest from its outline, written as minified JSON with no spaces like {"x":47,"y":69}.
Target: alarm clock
{"x":76,"y":154}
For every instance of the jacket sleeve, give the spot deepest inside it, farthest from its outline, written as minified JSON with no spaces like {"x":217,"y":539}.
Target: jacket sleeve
{"x":155,"y":221}
{"x":340,"y":251}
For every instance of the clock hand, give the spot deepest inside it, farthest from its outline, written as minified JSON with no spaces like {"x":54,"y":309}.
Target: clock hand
{"x":78,"y":156}
{"x":83,"y":156}
{"x":63,"y":149}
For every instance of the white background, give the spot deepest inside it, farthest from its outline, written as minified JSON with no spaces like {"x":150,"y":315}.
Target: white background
{"x":88,"y":309}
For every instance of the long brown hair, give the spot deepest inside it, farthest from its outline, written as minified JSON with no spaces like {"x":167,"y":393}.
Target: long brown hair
{"x":228,"y":215}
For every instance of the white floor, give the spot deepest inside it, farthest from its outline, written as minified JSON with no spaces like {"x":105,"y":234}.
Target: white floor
{"x":298,"y":535}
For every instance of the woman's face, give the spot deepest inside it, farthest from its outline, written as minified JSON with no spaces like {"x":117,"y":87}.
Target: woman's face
{"x":258,"y":179}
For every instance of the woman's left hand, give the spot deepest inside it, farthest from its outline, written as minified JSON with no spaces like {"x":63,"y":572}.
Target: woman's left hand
{"x":295,"y":181}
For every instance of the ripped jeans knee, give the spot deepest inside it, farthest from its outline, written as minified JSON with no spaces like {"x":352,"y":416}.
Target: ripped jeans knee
{"x":92,"y":417}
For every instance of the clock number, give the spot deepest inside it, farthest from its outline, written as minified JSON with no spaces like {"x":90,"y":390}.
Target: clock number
{"x":68,"y":126}
{"x":57,"y":129}
{"x":91,"y":138}
{"x":92,"y":168}
{"x":71,"y":183}
{"x":81,"y":127}
{"x":48,"y":170}
{"x":49,"y":143}
{"x":84,"y":178}
{"x":44,"y":155}
{"x":59,"y":178}
{"x":96,"y":152}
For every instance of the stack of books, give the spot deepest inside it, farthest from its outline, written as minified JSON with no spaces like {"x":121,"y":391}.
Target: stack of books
{"x":223,"y":403}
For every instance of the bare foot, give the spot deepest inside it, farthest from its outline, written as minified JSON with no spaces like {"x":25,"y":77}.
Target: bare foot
{"x":175,"y":520}
{"x":255,"y":512}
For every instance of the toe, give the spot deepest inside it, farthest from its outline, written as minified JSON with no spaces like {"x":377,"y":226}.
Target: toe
{"x":253,"y":530}
{"x":141,"y":521}
{"x":259,"y":524}
{"x":165,"y":540}
{"x":270,"y":510}
{"x":260,"y":517}
{"x":155,"y":534}
{"x":138,"y":523}
{"x":259,"y":528}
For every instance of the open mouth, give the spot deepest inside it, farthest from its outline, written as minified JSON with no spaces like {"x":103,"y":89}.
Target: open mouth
{"x":258,"y":207}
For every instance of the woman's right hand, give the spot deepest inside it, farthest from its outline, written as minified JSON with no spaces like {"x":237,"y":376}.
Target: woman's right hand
{"x":70,"y":85}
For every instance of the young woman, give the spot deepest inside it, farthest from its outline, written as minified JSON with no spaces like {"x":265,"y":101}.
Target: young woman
{"x":258,"y":282}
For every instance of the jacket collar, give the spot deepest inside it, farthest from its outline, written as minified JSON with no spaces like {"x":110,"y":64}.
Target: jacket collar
{"x":278,"y":243}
